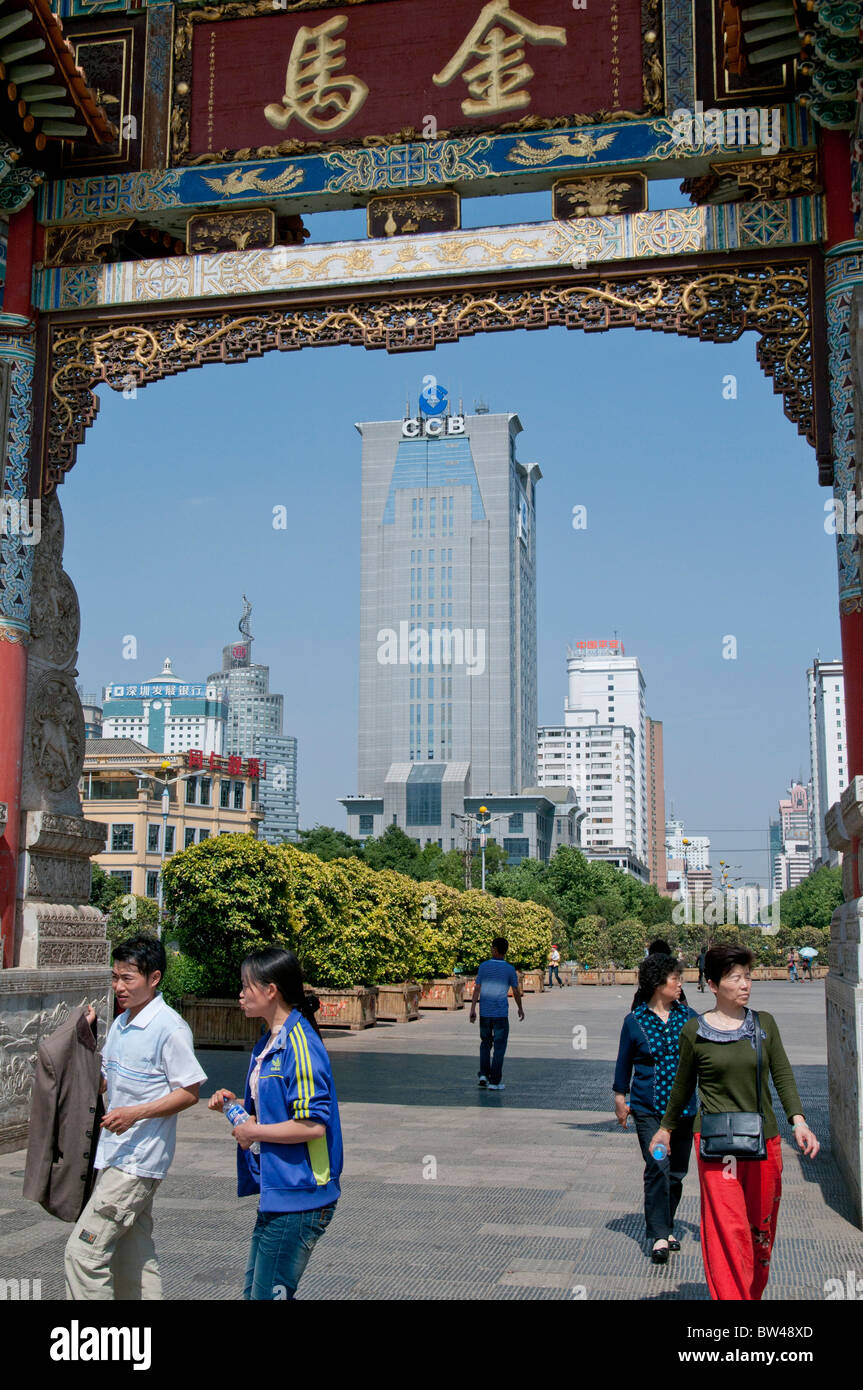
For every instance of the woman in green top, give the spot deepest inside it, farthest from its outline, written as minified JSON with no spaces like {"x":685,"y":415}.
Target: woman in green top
{"x":739,"y":1197}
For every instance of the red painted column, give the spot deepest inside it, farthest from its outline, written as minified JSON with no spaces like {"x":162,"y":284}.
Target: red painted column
{"x":17,"y":297}
{"x":13,"y":685}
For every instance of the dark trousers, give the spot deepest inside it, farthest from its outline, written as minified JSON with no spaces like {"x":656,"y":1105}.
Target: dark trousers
{"x":496,"y":1031}
{"x":663,"y":1181}
{"x":554,"y":970}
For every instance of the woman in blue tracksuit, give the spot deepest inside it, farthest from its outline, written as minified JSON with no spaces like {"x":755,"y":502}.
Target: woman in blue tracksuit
{"x":295,"y":1119}
{"x":650,"y":1047}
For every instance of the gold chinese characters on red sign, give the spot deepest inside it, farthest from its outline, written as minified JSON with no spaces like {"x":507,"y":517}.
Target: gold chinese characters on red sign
{"x":341,"y":74}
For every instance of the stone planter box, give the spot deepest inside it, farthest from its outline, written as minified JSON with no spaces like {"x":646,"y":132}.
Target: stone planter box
{"x":533,"y":982}
{"x":469,"y":981}
{"x":596,"y":977}
{"x":353,"y":1008}
{"x":442,"y":994}
{"x":398,"y":1003}
{"x":626,"y":977}
{"x":219,"y":1023}
{"x":520,"y":974}
{"x":568,"y":974}
{"x":690,"y":976}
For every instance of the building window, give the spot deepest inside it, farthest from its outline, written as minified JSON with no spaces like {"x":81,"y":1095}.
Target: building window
{"x":202,"y":836}
{"x":238,"y":796}
{"x":152,"y":884}
{"x":225,"y":794}
{"x":367,"y":825}
{"x":169,"y":839}
{"x":516,"y":849}
{"x":152,"y":840}
{"x":206,"y":785}
{"x":188,"y":836}
{"x":516,"y":824}
{"x":122,"y":837}
{"x":423,"y":803}
{"x":191,"y":786}
{"x":125,"y":877}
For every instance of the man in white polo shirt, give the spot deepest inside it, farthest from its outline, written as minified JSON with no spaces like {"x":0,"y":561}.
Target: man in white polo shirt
{"x":150,"y":1073}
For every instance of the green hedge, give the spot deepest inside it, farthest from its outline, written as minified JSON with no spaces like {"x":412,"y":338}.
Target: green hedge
{"x":348,"y":923}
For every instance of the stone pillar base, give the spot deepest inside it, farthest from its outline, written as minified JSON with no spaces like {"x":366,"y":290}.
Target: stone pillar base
{"x":844,"y":825}
{"x":33,"y":1003}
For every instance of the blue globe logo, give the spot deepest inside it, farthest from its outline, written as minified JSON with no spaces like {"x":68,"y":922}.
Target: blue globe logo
{"x":433,"y":399}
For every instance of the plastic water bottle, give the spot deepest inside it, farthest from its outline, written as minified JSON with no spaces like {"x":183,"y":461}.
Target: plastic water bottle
{"x":659,"y":1152}
{"x":236,"y":1114}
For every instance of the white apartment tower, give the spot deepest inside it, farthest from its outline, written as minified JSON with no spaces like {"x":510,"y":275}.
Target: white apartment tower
{"x":827,"y":750}
{"x":600,"y":750}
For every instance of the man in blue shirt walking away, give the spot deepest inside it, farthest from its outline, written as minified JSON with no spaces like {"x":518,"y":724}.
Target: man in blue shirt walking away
{"x":494,"y":979}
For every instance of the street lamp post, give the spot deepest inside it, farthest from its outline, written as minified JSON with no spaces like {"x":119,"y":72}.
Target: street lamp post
{"x":166,"y":804}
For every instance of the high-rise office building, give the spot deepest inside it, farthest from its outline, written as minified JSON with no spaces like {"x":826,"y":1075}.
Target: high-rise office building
{"x":165,"y":713}
{"x":277,"y":794}
{"x":253,"y":728}
{"x":655,"y":779}
{"x":447,"y":697}
{"x":245,"y":687}
{"x":793,"y":862}
{"x":828,"y":753}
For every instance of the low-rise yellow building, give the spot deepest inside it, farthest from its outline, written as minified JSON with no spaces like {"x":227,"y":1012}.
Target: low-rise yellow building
{"x":123,"y":784}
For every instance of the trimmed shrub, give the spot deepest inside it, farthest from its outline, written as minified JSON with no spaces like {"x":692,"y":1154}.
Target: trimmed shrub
{"x":229,"y":896}
{"x":626,"y":942}
{"x":589,"y":942}
{"x":481,"y":921}
{"x":437,"y":951}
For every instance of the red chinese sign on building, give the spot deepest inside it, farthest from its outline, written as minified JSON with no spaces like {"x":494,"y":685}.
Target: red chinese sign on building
{"x":234,"y":766}
{"x":340,"y":74}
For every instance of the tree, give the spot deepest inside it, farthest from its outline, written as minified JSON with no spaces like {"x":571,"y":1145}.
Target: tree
{"x":571,"y":880}
{"x":104,"y":888}
{"x":392,"y":850}
{"x":813,"y":902}
{"x":626,"y":942}
{"x":130,"y":915}
{"x":328,"y":843}
{"x":589,"y":942}
{"x":230,"y":895}
{"x":527,"y":881}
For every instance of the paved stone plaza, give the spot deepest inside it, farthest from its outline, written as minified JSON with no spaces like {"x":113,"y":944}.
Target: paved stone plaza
{"x":537,"y":1192}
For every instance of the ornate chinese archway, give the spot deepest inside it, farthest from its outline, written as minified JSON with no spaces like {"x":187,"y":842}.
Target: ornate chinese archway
{"x":180,"y":243}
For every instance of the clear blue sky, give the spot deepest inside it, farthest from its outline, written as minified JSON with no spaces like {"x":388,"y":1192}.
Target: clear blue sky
{"x":704,"y":520}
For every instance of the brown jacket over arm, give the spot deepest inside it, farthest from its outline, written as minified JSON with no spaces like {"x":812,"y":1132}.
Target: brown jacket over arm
{"x":65,"y":1111}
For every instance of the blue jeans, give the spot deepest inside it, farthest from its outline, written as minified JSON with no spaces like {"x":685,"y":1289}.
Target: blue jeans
{"x":494,"y":1030}
{"x":282,"y":1242}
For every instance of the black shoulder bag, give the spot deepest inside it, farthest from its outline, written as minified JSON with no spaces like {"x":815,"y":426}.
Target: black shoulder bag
{"x":737,"y":1133}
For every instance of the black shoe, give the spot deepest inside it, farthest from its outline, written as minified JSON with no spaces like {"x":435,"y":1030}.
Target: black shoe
{"x":673,"y":1244}
{"x":659,"y":1254}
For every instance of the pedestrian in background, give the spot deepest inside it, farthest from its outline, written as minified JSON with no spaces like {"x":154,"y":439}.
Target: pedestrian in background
{"x":554,"y":967}
{"x":793,"y":977}
{"x":494,"y":979}
{"x":650,"y":1048}
{"x":291,"y":1099}
{"x":722,"y":1052}
{"x":702,"y":956}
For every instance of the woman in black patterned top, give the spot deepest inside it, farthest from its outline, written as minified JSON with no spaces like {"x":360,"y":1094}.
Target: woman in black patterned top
{"x":650,"y":1047}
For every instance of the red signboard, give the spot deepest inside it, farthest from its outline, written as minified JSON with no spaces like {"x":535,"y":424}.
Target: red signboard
{"x":341,"y":73}
{"x":233,"y":765}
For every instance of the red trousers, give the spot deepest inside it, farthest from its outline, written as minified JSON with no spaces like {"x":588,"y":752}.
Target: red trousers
{"x":739,"y":1209}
